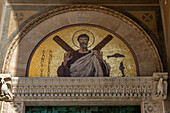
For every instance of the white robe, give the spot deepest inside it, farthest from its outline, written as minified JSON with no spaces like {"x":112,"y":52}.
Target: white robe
{"x":88,"y":65}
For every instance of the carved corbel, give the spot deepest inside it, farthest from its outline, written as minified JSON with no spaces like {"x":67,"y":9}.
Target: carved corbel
{"x":160,"y":85}
{"x":5,"y":88}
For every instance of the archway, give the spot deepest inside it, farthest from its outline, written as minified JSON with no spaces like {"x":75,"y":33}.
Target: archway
{"x":23,"y":44}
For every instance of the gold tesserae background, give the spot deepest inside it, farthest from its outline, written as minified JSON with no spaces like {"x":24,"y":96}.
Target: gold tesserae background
{"x":49,"y":55}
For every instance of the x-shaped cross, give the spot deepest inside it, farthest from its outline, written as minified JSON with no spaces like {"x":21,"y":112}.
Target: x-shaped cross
{"x":67,"y":48}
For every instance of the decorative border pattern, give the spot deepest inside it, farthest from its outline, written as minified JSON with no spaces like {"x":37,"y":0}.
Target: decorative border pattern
{"x":65,"y":9}
{"x":75,"y":25}
{"x":82,"y":89}
{"x":87,"y":90}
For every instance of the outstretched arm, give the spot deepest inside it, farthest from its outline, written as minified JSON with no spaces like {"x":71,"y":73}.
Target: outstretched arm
{"x":64,"y":70}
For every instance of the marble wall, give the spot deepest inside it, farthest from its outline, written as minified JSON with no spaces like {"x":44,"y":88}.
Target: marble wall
{"x":1,"y":9}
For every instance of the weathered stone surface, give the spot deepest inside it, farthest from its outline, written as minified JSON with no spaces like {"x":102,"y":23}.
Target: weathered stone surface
{"x":152,"y":107}
{"x":5,"y":88}
{"x":13,"y":107}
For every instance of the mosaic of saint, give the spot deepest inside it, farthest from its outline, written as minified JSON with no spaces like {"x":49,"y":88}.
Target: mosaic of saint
{"x":82,"y":51}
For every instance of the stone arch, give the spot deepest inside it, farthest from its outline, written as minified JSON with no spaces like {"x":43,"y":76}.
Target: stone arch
{"x":25,"y":41}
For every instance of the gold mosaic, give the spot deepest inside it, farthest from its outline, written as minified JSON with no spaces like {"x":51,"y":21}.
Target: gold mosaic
{"x":49,"y":55}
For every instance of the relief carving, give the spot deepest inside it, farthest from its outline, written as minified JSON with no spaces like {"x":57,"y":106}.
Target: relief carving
{"x":160,"y":85}
{"x":5,"y":85}
{"x":55,"y":89}
{"x":12,"y":107}
{"x":153,"y":107}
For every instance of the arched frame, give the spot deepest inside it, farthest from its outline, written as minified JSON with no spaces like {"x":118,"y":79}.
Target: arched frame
{"x":131,"y":52}
{"x":137,"y":38}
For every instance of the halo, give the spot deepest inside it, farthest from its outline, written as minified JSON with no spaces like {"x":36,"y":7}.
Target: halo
{"x":83,"y":31}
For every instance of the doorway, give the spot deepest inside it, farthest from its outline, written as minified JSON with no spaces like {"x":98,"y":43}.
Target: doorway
{"x":83,"y":109}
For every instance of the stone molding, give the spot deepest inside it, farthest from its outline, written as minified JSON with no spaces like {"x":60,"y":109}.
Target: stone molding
{"x":80,"y":89}
{"x":72,"y":8}
{"x":90,"y":88}
{"x":66,"y":90}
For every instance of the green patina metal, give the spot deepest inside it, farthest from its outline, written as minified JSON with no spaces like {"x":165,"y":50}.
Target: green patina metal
{"x":83,"y":109}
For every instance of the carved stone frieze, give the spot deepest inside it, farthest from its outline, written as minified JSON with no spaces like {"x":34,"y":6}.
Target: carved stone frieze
{"x":5,"y":87}
{"x":88,"y":89}
{"x":111,"y":88}
{"x":160,"y":86}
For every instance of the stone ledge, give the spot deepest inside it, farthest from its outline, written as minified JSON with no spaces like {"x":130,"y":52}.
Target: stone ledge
{"x":149,"y":92}
{"x":86,"y":88}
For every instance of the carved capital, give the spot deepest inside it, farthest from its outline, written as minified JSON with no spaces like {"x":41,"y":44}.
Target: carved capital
{"x":12,"y":107}
{"x":160,"y":85}
{"x":5,"y":87}
{"x":152,"y":107}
